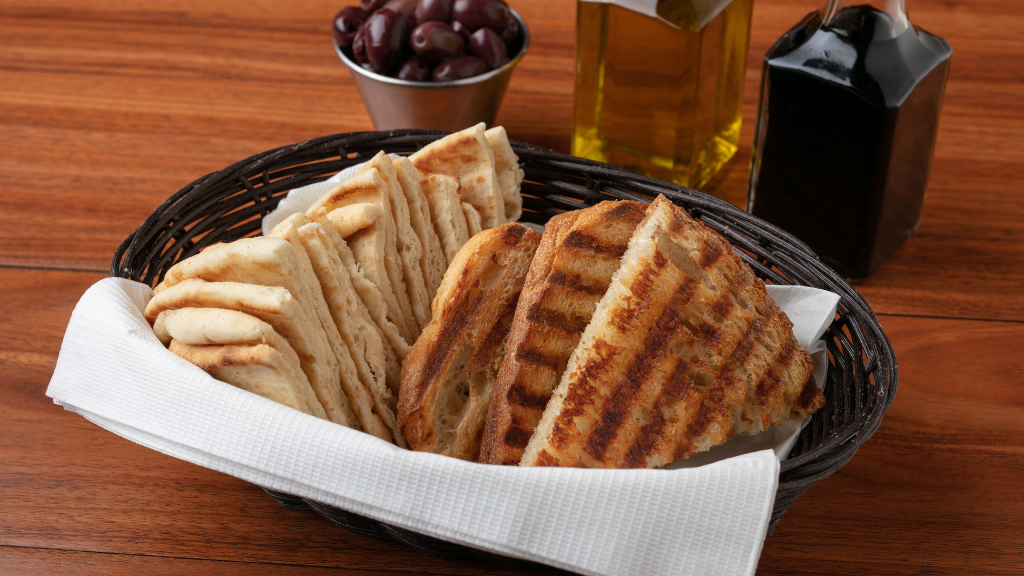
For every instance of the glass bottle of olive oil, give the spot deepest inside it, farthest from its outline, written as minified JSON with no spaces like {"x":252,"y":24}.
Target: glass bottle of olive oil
{"x":659,"y":84}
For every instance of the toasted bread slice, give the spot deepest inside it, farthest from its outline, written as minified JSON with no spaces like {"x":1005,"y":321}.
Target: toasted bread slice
{"x":209,"y":328}
{"x":410,"y":250}
{"x":510,"y":175}
{"x":272,"y":304}
{"x":665,"y":364}
{"x":358,"y":394}
{"x":448,"y":375}
{"x":373,"y":240}
{"x":364,"y":342}
{"x":268,"y":261}
{"x":472,"y":219}
{"x":466,"y":155}
{"x":578,"y":255}
{"x":446,"y":212}
{"x":432,"y":262}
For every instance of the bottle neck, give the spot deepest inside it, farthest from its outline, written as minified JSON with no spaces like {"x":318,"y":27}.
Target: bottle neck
{"x":837,"y":14}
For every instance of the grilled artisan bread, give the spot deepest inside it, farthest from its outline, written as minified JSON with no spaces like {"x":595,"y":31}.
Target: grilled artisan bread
{"x":448,"y":375}
{"x":573,"y":267}
{"x":685,"y":341}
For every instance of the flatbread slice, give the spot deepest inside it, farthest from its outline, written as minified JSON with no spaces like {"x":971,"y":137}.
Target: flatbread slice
{"x":510,"y":175}
{"x":466,"y":155}
{"x":361,"y":337}
{"x":358,"y":395}
{"x":372,"y":303}
{"x":667,"y":360}
{"x":277,"y":307}
{"x":472,"y":219}
{"x":432,"y":261}
{"x":448,"y":375}
{"x":204,"y":329}
{"x":573,"y":268}
{"x":373,"y":243}
{"x":446,"y":213}
{"x":410,"y":249}
{"x":269,"y":261}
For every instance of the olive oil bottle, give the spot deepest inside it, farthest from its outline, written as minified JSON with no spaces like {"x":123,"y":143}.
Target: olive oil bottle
{"x":659,"y":86}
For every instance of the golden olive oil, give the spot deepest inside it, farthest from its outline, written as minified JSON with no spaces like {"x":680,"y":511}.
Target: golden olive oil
{"x":660,"y":96}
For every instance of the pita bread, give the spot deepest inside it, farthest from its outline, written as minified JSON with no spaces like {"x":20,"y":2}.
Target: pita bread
{"x":372,"y":305}
{"x":510,"y":175}
{"x":374,"y":245}
{"x":269,"y":261}
{"x":446,"y":213}
{"x":472,"y":219}
{"x":209,"y":327}
{"x":467,"y":156}
{"x":358,"y":395}
{"x":362,"y":339}
{"x":410,"y":250}
{"x":258,"y":368}
{"x":665,"y":364}
{"x":432,"y":262}
{"x":448,"y":376}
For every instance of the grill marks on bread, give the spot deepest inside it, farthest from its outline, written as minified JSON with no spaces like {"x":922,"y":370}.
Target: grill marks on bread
{"x":685,"y":350}
{"x":448,"y":376}
{"x":579,"y":253}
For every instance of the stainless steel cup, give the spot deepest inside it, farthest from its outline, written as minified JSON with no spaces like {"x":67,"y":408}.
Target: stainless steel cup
{"x":394,"y":103}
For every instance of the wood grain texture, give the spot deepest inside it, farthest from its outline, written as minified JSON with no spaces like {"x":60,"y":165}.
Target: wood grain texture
{"x":106,"y":108}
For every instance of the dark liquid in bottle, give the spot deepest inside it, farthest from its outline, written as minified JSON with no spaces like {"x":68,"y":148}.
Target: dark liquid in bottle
{"x":845,"y":134}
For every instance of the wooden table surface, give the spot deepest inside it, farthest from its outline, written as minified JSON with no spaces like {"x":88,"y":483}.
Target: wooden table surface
{"x":106,"y":108}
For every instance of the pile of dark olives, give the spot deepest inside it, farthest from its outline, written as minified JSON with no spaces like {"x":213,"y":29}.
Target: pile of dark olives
{"x":424,"y":40}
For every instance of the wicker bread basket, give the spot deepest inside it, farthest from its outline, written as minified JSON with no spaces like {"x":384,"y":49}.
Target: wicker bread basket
{"x":229,"y":204}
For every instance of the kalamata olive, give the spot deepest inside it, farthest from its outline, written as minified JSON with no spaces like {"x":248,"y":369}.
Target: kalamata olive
{"x":510,"y":34}
{"x":477,"y":14}
{"x":435,"y":41}
{"x":404,"y":7}
{"x":434,"y":11}
{"x":489,"y":47}
{"x":371,"y":6}
{"x":387,"y":33}
{"x":462,"y":30}
{"x":459,"y":68}
{"x":415,"y":70}
{"x":347,"y":23}
{"x":359,"y":47}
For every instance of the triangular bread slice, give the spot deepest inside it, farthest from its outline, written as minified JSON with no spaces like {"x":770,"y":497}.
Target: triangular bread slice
{"x":410,"y":249}
{"x":466,"y":155}
{"x":277,"y":307}
{"x":203,"y":329}
{"x":473,"y":226}
{"x":373,"y":305}
{"x":665,"y":364}
{"x":432,"y":261}
{"x":578,"y":255}
{"x":446,"y":213}
{"x":448,"y":375}
{"x":510,"y":175}
{"x":373,"y":242}
{"x":269,"y":261}
{"x":358,"y":395}
{"x":362,"y":338}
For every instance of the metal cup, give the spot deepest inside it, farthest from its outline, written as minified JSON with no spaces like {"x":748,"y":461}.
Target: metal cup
{"x":394,"y":103}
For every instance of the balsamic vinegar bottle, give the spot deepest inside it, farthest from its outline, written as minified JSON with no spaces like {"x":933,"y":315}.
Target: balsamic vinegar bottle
{"x":846,"y":129}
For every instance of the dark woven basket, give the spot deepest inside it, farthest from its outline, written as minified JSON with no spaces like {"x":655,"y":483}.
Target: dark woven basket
{"x":229,"y":204}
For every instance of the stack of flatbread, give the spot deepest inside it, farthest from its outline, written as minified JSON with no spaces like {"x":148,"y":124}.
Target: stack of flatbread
{"x":637,"y":337}
{"x":320,"y":314}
